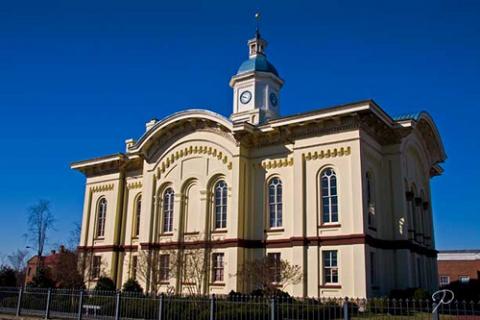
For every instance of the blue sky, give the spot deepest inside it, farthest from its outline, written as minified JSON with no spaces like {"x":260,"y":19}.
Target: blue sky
{"x":77,"y":78}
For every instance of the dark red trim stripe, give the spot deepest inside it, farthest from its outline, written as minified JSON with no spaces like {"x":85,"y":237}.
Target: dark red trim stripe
{"x":349,"y":239}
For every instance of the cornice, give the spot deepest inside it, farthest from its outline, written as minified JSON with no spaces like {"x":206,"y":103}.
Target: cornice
{"x":102,"y":187}
{"x":134,"y":185}
{"x":327,"y":153}
{"x":276,"y":163}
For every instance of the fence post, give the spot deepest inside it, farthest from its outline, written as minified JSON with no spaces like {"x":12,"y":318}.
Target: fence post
{"x":47,"y":307}
{"x":435,"y":315}
{"x":273,"y":310}
{"x":117,"y":306}
{"x":345,"y":308}
{"x":160,"y":307}
{"x":212,"y":308}
{"x":19,"y":302}
{"x":80,"y":305}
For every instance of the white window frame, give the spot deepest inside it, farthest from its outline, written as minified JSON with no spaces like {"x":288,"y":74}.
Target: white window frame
{"x":330,"y":267}
{"x":220,"y":207}
{"x":164,"y":266}
{"x":168,"y":210}
{"x":275,"y":205}
{"x":329,"y":197}
{"x":96,"y":266}
{"x":444,"y":283}
{"x":138,"y":209}
{"x":276,"y":259}
{"x":218,"y":267}
{"x":371,"y":203}
{"x":101,"y":217}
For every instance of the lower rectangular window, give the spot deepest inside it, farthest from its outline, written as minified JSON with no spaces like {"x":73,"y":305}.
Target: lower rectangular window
{"x":134,"y":267}
{"x":274,"y":260}
{"x":330,"y":267}
{"x":218,"y":268}
{"x":164,"y":267}
{"x":96,"y":265}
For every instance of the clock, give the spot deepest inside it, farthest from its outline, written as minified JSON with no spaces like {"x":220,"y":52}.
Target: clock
{"x":273,"y":99}
{"x":245,"y":97}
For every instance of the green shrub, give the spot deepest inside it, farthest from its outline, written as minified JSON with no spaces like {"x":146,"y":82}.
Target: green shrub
{"x":132,"y":285}
{"x":105,"y":284}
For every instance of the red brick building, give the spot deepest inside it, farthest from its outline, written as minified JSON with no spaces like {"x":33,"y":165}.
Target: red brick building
{"x":458,"y":265}
{"x":49,"y":262}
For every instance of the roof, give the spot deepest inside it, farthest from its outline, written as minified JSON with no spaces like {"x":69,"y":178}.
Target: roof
{"x":408,"y":116}
{"x":257,"y":63}
{"x":448,"y":255}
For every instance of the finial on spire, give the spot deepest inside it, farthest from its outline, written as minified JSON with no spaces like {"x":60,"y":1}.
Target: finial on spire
{"x":257,"y":19}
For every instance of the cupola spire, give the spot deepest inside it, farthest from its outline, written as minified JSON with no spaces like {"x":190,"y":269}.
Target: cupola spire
{"x":257,"y":45}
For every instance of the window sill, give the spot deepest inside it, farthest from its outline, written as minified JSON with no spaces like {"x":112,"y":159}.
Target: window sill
{"x":330,"y":225}
{"x":164,"y":282}
{"x":220,"y":231}
{"x":275,"y":230}
{"x":165,"y":234}
{"x":192,"y":233}
{"x":217,"y":284}
{"x":330,"y":286}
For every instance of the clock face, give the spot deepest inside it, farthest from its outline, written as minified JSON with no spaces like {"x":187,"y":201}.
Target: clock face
{"x":245,"y":97}
{"x":273,"y":99}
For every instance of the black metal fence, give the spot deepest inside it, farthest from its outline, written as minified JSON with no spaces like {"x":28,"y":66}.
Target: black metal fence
{"x":78,"y":304}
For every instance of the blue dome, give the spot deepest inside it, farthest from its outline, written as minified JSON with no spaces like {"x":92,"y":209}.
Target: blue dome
{"x":258,"y":63}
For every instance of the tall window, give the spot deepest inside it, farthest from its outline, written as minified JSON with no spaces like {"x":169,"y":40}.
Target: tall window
{"x":134,"y":267}
{"x":101,"y":217}
{"x":138,"y":209}
{"x":275,"y":202}
{"x":164,"y":267}
{"x":217,"y":267}
{"x":168,"y":198}
{"x":220,"y":204}
{"x":274,"y":262}
{"x":329,"y":196}
{"x":96,"y":265}
{"x":330,"y":267}
{"x":373,"y":268}
{"x":370,"y":199}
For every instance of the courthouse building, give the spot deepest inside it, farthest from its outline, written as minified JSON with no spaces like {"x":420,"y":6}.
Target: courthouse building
{"x":343,"y":192}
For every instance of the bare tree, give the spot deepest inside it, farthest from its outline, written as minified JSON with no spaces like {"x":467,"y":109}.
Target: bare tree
{"x":74,"y":238}
{"x":189,"y":267}
{"x":270,"y":274}
{"x":18,"y":262}
{"x":40,"y":222}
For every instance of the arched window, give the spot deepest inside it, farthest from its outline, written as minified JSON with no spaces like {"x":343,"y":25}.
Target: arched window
{"x":101,"y":217}
{"x":329,"y":196}
{"x":370,"y":199}
{"x":138,"y":209}
{"x":220,"y":204}
{"x":275,"y":202}
{"x":168,"y":197}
